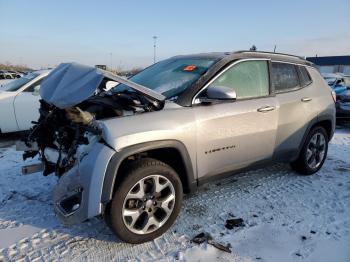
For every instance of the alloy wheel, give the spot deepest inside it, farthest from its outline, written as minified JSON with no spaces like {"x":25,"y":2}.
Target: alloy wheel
{"x":316,"y":150}
{"x":148,"y":204}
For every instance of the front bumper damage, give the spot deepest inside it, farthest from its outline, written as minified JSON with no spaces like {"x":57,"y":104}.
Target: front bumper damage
{"x":68,"y":137}
{"x":77,"y":196}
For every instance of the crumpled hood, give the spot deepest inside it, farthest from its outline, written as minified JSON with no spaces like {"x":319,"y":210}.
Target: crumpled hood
{"x":70,"y":84}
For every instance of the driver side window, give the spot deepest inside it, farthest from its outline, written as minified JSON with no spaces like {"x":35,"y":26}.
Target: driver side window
{"x":249,"y":79}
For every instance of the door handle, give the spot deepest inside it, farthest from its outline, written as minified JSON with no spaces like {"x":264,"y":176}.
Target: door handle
{"x":306,"y":99}
{"x":265,"y":109}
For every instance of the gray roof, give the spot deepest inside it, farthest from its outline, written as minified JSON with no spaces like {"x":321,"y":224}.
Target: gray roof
{"x":250,"y":54}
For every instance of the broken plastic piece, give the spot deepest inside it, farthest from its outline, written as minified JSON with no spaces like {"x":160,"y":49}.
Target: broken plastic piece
{"x":201,"y":238}
{"x":30,"y":169}
{"x":234,"y":222}
{"x":220,"y":246}
{"x":206,"y":237}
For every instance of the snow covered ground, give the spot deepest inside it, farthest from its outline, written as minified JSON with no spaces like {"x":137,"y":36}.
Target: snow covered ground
{"x":287,"y":218}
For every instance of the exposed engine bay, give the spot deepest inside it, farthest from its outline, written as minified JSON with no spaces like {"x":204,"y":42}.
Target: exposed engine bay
{"x":63,"y":135}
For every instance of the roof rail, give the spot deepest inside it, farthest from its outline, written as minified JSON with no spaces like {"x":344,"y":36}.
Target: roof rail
{"x":270,"y":53}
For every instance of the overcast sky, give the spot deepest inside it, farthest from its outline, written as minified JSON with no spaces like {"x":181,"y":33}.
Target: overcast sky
{"x":46,"y":33}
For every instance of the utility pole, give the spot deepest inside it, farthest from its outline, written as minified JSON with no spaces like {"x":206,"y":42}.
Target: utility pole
{"x":111,"y":60}
{"x":154,"y":48}
{"x":274,"y":50}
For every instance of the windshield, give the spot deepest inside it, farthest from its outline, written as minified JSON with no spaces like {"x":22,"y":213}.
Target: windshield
{"x":19,"y":82}
{"x":170,"y":77}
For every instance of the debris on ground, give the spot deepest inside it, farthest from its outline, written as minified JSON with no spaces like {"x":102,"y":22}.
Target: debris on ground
{"x":201,"y":238}
{"x":206,"y":237}
{"x":234,"y":222}
{"x":220,"y":246}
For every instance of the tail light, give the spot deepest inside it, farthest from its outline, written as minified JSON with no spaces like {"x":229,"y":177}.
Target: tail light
{"x":334,"y":95}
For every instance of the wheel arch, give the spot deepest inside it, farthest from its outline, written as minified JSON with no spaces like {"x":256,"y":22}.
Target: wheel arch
{"x":325,"y":121}
{"x":171,"y":152}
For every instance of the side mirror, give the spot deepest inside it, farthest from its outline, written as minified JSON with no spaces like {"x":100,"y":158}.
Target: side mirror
{"x":36,"y":90}
{"x":217,"y":94}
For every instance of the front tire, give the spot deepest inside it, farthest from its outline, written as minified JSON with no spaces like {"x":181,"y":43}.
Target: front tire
{"x":313,"y":153}
{"x":147,"y":201}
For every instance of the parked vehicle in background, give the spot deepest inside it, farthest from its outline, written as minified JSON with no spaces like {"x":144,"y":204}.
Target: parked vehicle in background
{"x":5,"y":78}
{"x":6,"y":75}
{"x":338,"y":82}
{"x":14,"y":74}
{"x":130,"y":153}
{"x":343,"y":107}
{"x":19,"y":102}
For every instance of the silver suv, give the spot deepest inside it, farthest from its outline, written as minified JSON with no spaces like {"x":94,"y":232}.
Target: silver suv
{"x":131,"y":152}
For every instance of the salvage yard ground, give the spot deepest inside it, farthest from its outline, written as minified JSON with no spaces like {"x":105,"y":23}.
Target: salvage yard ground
{"x":287,"y":218}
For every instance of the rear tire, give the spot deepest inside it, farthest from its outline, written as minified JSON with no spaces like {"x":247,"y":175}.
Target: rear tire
{"x":146,"y":202}
{"x":313,"y":153}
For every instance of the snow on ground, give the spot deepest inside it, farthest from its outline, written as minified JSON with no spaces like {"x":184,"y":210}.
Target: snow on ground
{"x":287,"y":218}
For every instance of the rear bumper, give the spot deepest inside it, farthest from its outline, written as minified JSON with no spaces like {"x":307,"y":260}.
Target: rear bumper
{"x":77,"y":196}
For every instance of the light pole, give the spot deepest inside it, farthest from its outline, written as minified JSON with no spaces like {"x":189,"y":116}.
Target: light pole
{"x":111,"y":59}
{"x":154,"y":48}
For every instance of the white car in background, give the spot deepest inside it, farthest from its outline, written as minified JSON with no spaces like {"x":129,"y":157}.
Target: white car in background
{"x":5,"y":77}
{"x":19,"y":102}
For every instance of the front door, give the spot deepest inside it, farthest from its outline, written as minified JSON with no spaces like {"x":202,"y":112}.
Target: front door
{"x":236,"y":134}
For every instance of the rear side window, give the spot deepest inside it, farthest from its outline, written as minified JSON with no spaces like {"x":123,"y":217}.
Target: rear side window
{"x":284,"y":77}
{"x":248,"y":79}
{"x":305,"y":78}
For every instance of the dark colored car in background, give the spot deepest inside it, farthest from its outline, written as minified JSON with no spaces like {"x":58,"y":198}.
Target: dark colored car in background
{"x":340,"y":84}
{"x":343,"y":107}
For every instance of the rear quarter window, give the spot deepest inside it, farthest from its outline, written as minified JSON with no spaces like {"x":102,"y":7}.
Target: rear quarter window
{"x":305,"y":78}
{"x":284,"y":77}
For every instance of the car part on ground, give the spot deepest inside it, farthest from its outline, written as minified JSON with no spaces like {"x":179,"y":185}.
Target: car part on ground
{"x":206,"y":237}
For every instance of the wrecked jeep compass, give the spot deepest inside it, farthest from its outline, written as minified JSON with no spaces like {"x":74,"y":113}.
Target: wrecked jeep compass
{"x":131,"y":152}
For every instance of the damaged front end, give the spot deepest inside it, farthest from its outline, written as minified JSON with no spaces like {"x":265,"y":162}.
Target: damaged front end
{"x":68,"y":137}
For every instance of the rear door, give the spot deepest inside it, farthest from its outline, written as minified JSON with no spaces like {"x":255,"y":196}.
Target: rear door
{"x":236,"y":134}
{"x":297,"y":106}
